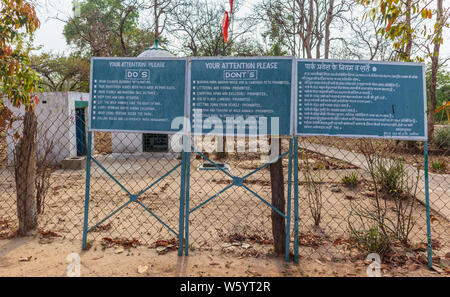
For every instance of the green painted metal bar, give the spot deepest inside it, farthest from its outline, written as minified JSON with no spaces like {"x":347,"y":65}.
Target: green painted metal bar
{"x":182,"y":197}
{"x":159,"y":179}
{"x":110,"y":215}
{"x":296,"y":210}
{"x":265,"y":165}
{"x":188,"y":170}
{"x":288,"y":208}
{"x":87,"y":191}
{"x":427,"y":205}
{"x":264,"y":201}
{"x":211,"y":198}
{"x":156,"y":217}
{"x":110,"y":175}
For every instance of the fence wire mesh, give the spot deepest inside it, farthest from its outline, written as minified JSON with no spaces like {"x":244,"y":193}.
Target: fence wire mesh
{"x":335,"y":188}
{"x":353,"y":210}
{"x":236,"y":221}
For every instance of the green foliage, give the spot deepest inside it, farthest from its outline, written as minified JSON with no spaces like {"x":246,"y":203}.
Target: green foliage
{"x":390,"y":176}
{"x":442,"y":137}
{"x":398,"y":17}
{"x":59,"y":73}
{"x":442,"y":86}
{"x":371,"y":240}
{"x":108,"y":28}
{"x":17,"y":79}
{"x":439,"y":165}
{"x":350,"y":180}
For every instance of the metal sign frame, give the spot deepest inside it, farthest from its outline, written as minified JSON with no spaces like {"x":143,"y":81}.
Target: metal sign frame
{"x":136,"y":59}
{"x":292,"y":93}
{"x":185,"y":210}
{"x":296,"y":104}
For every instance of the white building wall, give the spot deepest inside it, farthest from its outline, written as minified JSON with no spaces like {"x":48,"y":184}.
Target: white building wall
{"x":56,"y":123}
{"x":127,"y":143}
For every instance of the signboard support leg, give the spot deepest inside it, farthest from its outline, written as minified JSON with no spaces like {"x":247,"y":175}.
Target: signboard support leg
{"x":427,"y":204}
{"x":288,"y":210}
{"x":182,"y":198}
{"x":188,"y":166}
{"x":88,"y":183}
{"x":296,"y":199}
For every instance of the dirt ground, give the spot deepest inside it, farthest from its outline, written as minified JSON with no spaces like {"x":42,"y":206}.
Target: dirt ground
{"x":230,"y":235}
{"x":30,"y":257}
{"x":393,"y":149}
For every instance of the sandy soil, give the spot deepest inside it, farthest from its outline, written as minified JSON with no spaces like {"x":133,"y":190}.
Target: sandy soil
{"x":28,"y":257}
{"x":235,"y":226}
{"x":392,"y":149}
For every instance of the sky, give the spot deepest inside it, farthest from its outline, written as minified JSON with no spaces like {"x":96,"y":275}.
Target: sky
{"x":50,"y":35}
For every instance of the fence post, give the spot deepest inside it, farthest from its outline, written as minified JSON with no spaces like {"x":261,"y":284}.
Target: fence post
{"x":187,"y":151}
{"x":288,"y":210}
{"x":427,"y":204}
{"x":296,"y":199}
{"x":182,"y":197}
{"x":86,"y":197}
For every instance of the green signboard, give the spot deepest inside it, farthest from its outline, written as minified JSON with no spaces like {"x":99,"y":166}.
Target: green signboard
{"x":361,"y":99}
{"x":137,"y":95}
{"x":241,"y":96}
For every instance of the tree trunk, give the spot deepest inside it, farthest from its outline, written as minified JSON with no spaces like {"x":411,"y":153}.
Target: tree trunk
{"x":434,"y":70}
{"x":327,"y":28}
{"x":25,"y":172}
{"x":409,"y":35}
{"x":278,"y":201}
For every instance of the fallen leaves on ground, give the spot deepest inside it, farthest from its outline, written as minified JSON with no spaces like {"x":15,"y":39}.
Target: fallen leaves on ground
{"x":102,"y":228}
{"x":25,"y":259}
{"x":108,"y":242}
{"x":252,"y":239}
{"x":165,"y":246}
{"x":312,"y":240}
{"x":47,"y":237}
{"x":49,"y":234}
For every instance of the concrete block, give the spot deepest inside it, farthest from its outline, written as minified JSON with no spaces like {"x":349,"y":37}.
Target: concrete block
{"x":74,"y":163}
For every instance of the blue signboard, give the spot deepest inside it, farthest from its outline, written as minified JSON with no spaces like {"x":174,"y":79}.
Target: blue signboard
{"x":241,"y":96}
{"x":361,"y":99}
{"x":137,"y":95}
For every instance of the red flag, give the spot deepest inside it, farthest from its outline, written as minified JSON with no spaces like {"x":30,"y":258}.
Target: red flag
{"x":225,"y":25}
{"x":231,"y":6}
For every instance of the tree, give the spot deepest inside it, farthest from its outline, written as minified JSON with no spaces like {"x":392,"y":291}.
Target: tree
{"x":365,"y":43}
{"x":19,"y":82}
{"x":198,"y":26}
{"x":399,"y":18}
{"x":108,"y":28}
{"x":442,"y":17}
{"x":59,"y":73}
{"x":442,"y":85}
{"x":309,"y":20}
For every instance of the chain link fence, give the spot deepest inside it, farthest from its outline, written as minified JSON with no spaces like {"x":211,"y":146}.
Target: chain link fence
{"x":352,"y":206}
{"x":337,"y":193}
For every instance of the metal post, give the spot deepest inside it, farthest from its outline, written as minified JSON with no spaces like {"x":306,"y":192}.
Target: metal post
{"x":188,"y":170}
{"x":182,"y":197}
{"x":86,"y":197}
{"x":296,"y":199}
{"x":288,"y":209}
{"x":427,"y":204}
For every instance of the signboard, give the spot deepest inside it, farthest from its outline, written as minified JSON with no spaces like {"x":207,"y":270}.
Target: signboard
{"x":136,"y":95}
{"x":361,"y":99}
{"x":236,"y":96}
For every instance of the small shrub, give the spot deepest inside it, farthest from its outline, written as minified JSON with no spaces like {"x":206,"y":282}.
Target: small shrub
{"x":350,"y":180}
{"x":442,"y":138}
{"x":390,"y":176}
{"x":439,"y":166}
{"x":371,"y":240}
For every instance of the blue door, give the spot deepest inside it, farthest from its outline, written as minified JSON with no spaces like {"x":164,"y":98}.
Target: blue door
{"x":81,"y":131}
